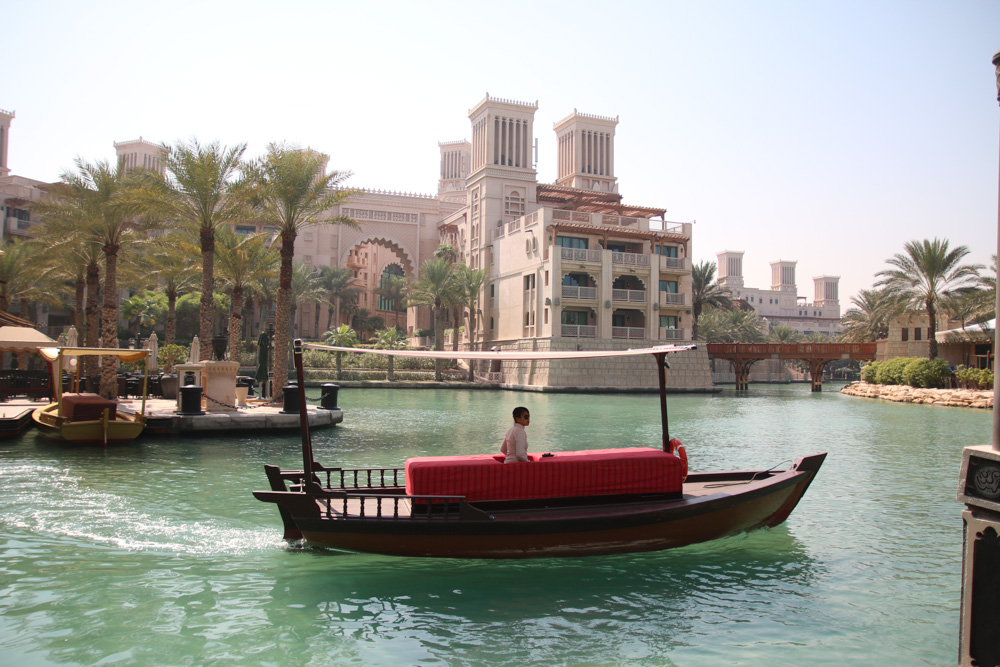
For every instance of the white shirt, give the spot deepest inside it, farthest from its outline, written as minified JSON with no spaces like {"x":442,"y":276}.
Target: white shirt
{"x":515,"y":444}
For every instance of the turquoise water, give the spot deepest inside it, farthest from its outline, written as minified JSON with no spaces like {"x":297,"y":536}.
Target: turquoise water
{"x":155,"y":552}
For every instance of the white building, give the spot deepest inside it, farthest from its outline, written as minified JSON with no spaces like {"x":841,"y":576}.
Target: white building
{"x":781,"y":304}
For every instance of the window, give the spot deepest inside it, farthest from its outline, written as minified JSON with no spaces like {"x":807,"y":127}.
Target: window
{"x":513,"y":204}
{"x":668,"y":321}
{"x":574,"y":317}
{"x":575,"y":279}
{"x":668,"y":250}
{"x":916,"y":333}
{"x":571,"y":242}
{"x":668,"y":286}
{"x":906,"y":334}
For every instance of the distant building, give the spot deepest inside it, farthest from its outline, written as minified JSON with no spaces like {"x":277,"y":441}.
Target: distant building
{"x":781,"y":304}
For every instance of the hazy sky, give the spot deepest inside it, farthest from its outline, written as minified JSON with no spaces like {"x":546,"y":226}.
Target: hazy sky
{"x":828,"y":133}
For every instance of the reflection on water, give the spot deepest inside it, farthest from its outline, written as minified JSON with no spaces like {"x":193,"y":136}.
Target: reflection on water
{"x":156,"y":553}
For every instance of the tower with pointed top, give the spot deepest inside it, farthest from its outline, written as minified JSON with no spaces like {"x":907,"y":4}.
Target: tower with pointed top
{"x":5,"y":118}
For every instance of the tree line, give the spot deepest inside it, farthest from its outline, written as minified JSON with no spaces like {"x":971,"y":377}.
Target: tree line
{"x":928,"y":277}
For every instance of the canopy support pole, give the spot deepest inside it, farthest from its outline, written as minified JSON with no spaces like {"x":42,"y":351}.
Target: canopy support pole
{"x":661,"y":367}
{"x":308,"y":464}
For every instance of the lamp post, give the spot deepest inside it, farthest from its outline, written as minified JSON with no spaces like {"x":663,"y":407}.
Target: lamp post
{"x":996,"y":311}
{"x":979,"y":489}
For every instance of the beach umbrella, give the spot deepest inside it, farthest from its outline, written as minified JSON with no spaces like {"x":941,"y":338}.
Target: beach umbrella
{"x":195,"y":356}
{"x":263,"y":350}
{"x":153,"y":345}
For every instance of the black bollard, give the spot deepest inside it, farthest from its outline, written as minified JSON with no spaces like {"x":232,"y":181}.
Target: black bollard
{"x":290,"y":396}
{"x":190,"y":400}
{"x":328,"y":396}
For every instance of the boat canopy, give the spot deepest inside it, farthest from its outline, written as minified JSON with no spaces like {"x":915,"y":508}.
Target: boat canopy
{"x":22,"y":339}
{"x":507,"y":355}
{"x":123,"y":354}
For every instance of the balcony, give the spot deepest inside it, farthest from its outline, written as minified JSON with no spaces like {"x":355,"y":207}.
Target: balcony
{"x":581,"y":255}
{"x":628,"y":332}
{"x":629,"y":259}
{"x":671,"y":334}
{"x":675,"y":264}
{"x":579,"y":331}
{"x":575,"y":292}
{"x":672,"y":299}
{"x":629,"y":295}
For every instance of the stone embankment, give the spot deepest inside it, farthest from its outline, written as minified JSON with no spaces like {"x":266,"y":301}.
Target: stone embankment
{"x":963,"y":398}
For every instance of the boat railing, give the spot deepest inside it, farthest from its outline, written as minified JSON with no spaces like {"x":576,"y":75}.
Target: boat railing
{"x":395,"y":507}
{"x":362,"y":478}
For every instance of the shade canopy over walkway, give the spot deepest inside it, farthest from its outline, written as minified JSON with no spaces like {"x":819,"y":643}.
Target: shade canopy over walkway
{"x":742,"y":356}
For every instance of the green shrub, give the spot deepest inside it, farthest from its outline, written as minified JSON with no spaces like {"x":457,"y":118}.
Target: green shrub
{"x":926,"y":373}
{"x":975,"y":378}
{"x":869,"y":372}
{"x":890,"y":371}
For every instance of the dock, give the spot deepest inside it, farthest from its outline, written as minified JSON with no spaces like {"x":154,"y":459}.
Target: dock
{"x":163,"y":418}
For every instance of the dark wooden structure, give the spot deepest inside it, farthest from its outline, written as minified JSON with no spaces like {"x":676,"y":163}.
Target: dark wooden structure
{"x":743,"y":355}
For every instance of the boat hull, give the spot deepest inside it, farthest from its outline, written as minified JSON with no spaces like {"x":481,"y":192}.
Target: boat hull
{"x":724,"y":504}
{"x":123,"y":428}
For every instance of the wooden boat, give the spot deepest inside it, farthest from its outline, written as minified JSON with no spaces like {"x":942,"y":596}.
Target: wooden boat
{"x":559,"y":504}
{"x":85,"y":418}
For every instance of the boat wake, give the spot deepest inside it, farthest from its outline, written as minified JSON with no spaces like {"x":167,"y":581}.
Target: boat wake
{"x":46,"y":500}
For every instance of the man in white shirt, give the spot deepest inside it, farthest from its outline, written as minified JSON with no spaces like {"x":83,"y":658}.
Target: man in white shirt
{"x":515,"y":443}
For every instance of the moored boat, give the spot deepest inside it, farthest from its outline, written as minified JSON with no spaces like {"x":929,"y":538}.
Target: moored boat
{"x":84,"y":418}
{"x":558,"y":504}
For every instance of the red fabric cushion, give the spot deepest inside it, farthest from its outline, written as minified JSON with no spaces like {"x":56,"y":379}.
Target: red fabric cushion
{"x":86,"y":407}
{"x":564,"y":474}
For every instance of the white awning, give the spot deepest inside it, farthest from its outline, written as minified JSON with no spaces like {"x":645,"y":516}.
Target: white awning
{"x":972,"y":333}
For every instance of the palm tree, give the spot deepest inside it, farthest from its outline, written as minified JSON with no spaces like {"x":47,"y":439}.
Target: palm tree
{"x":342,"y":336}
{"x":90,"y":205}
{"x":434,"y":287}
{"x":340,"y":284}
{"x":731,"y":326}
{"x":307,"y":287}
{"x":17,"y":265}
{"x":469,"y":284}
{"x":390,"y":339}
{"x":171,"y":265}
{"x":925,"y":274}
{"x":241,"y":261}
{"x":783,"y":334}
{"x":393,"y":289}
{"x":292,"y":192}
{"x":201,"y":193}
{"x":705,"y":291}
{"x":869,"y":319}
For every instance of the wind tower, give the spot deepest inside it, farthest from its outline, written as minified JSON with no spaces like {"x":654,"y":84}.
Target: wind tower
{"x":141,"y":154}
{"x":783,"y":276}
{"x":5,"y":118}
{"x":586,"y":152}
{"x":455,"y":159}
{"x":730,"y":269}
{"x":502,"y":181}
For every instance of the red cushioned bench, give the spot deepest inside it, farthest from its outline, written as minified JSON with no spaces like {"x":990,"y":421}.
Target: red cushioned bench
{"x":595,"y":472}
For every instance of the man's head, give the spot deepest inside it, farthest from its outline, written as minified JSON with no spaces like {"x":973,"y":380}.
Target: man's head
{"x":521,"y":415}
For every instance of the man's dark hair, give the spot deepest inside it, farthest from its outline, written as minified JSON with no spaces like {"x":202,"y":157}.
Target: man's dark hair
{"x":520,"y":411}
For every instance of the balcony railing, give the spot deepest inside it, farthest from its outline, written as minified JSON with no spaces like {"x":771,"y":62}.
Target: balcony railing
{"x":576,"y":292}
{"x":581,"y":255}
{"x":671,"y":299}
{"x":671,"y":334}
{"x":629,"y":259}
{"x":673,"y":263}
{"x":579,"y":331}
{"x":629,"y":295}
{"x":628,"y":332}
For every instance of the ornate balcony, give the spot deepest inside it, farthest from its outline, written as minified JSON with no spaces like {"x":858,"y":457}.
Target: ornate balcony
{"x":579,"y":331}
{"x":575,"y":292}
{"x":672,"y":299}
{"x":628,"y":332}
{"x":629,"y":295}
